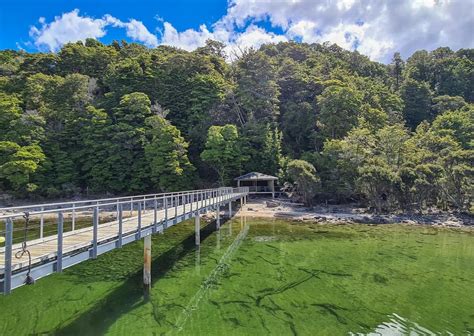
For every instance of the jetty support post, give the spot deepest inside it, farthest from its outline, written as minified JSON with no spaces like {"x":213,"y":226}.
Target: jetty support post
{"x":218,"y":215}
{"x":230,"y":209}
{"x":197,"y":228}
{"x":147,"y":266}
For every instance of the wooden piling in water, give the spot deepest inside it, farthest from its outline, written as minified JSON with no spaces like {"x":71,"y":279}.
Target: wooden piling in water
{"x":218,"y":214}
{"x":147,"y":266}
{"x":197,"y":227}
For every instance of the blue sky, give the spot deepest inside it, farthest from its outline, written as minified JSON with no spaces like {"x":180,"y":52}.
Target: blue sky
{"x":16,"y":17}
{"x":376,"y":28}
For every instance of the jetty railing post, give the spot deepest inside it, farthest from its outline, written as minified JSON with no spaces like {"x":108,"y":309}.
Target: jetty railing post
{"x":131,"y":206}
{"x":176,"y":201}
{"x":218,"y":215}
{"x":155,"y":214}
{"x":191,"y":200}
{"x":59,"y":254}
{"x":162,"y":220}
{"x":7,"y":276}
{"x":147,"y":266}
{"x":95,"y":222}
{"x":144,"y":204}
{"x":42,"y":224}
{"x":139,"y":224}
{"x":120,"y":226}
{"x":117,"y":209}
{"x":73,"y":225}
{"x":230,"y":209}
{"x":183,"y":200}
{"x":197,"y":228}
{"x":166,"y":212}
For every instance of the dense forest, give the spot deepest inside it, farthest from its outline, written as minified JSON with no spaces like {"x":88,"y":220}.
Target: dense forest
{"x":123,"y":118}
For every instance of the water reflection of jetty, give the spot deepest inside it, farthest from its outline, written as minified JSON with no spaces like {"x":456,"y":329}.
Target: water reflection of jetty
{"x":213,"y":277}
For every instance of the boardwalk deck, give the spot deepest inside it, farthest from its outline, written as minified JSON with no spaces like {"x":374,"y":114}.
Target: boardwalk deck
{"x":79,"y":245}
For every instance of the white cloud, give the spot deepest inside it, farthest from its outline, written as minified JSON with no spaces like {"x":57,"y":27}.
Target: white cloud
{"x":376,"y":28}
{"x":236,"y":42}
{"x":188,"y":40}
{"x":255,"y":36}
{"x":136,"y":30}
{"x":66,"y":28}
{"x":71,"y":27}
{"x":305,"y":30}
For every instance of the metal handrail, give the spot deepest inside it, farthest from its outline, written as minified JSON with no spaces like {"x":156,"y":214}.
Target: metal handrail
{"x":115,"y":201}
{"x":106,"y":199}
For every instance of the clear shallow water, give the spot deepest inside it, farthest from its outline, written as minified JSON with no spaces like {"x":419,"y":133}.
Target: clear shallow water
{"x":263,"y":277}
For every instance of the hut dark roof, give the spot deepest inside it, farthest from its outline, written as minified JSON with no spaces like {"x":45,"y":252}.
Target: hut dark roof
{"x":254,"y":176}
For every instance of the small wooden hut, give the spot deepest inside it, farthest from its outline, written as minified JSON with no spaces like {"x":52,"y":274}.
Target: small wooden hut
{"x":258,"y":183}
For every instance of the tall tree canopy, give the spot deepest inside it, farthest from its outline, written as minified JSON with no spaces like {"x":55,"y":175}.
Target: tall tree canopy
{"x":124,"y":118}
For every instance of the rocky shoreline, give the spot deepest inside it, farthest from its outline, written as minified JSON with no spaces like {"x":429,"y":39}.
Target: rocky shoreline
{"x":348,"y":214}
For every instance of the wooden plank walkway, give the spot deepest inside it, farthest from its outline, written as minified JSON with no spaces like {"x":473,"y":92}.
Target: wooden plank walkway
{"x":81,"y":241}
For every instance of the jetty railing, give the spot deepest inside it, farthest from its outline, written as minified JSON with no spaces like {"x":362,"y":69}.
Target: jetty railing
{"x":80,"y":230}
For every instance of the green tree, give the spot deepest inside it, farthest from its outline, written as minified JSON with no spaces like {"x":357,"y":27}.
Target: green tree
{"x":166,"y":155}
{"x":257,"y":91}
{"x":457,"y":123}
{"x":339,"y":108}
{"x":223,"y":152}
{"x":18,"y":126}
{"x":17,"y":166}
{"x":271,"y":152}
{"x":303,"y":174}
{"x":396,"y":68}
{"x":417,"y":98}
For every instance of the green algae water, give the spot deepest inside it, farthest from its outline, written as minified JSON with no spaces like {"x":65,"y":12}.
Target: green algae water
{"x":263,"y":277}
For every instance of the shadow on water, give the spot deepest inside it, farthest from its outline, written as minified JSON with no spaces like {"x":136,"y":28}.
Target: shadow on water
{"x":129,"y":295}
